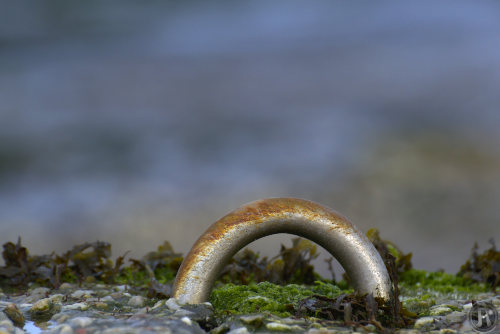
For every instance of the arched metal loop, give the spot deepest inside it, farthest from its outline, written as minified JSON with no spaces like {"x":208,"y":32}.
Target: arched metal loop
{"x":212,"y":251}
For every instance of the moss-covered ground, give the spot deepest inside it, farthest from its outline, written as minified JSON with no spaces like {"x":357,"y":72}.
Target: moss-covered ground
{"x":420,"y":290}
{"x":283,"y":286}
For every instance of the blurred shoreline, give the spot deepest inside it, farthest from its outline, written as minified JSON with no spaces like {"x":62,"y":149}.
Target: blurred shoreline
{"x":138,"y":123}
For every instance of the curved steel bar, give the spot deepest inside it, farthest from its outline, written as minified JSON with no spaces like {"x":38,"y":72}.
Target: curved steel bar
{"x":358,"y":256}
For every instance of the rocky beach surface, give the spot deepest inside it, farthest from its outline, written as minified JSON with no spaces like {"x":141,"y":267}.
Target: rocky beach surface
{"x":102,"y":308}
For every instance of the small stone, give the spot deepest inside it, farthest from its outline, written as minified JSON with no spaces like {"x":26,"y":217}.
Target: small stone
{"x":128,"y":330}
{"x":136,"y":301}
{"x":172,"y":304}
{"x":65,"y":286}
{"x":184,"y":313}
{"x":321,"y":331}
{"x":42,"y":305}
{"x":440,"y":310}
{"x":447,"y":331}
{"x":77,"y":306}
{"x":101,"y":305}
{"x":455,"y":317}
{"x":276,"y":326}
{"x":254,"y":320}
{"x":37,"y":294}
{"x":107,"y":299}
{"x":200,"y":312}
{"x":60,"y":317}
{"x":81,"y":322}
{"x":224,"y":328}
{"x":158,"y":304}
{"x":241,"y":330}
{"x":467,"y":307}
{"x":143,"y":310}
{"x":370,"y":328}
{"x":117,"y":295}
{"x":407,"y":331}
{"x":14,"y":314}
{"x":39,"y":291}
{"x":79,"y":294}
{"x":424,"y":321}
{"x":120,"y":288}
{"x":57,"y":298}
{"x":187,"y":321}
{"x":43,"y":309}
{"x":64,"y":329}
{"x":7,"y":324}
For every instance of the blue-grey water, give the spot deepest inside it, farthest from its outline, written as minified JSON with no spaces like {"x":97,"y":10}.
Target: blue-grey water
{"x":134,"y":123}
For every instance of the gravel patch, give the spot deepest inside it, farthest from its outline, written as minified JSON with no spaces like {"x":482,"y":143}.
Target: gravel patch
{"x":110,"y":309}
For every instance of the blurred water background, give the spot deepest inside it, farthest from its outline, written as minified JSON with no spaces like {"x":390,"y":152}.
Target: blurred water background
{"x":136,"y":122}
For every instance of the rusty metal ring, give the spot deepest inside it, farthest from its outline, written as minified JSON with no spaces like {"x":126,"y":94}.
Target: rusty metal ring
{"x":356,"y":254}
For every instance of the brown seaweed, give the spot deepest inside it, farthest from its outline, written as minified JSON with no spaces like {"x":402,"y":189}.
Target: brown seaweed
{"x":484,"y":267}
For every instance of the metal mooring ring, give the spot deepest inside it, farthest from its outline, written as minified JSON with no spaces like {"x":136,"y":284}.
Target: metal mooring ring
{"x":356,"y":254}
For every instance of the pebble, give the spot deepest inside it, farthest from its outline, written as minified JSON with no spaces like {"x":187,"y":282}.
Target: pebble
{"x":43,"y":309}
{"x":42,"y":305}
{"x":276,"y":326}
{"x":439,"y":310}
{"x":254,"y":320}
{"x":421,"y":322}
{"x":222,"y":329}
{"x":81,"y":322}
{"x":173,"y":304}
{"x":101,"y":305}
{"x":79,"y":294}
{"x":187,"y":321}
{"x":126,"y":312}
{"x":158,"y":304}
{"x":136,"y":301}
{"x":183,"y":313}
{"x":455,"y":317}
{"x":60,"y":317}
{"x":241,"y":330}
{"x":65,"y":286}
{"x":107,"y":299}
{"x":77,"y":306}
{"x":6,"y":323}
{"x":57,"y":298}
{"x":467,"y":307}
{"x":14,"y":314}
{"x":63,"y":329}
{"x":37,"y":294}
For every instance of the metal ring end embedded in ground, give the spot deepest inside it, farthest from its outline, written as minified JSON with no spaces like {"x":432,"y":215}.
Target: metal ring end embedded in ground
{"x":212,"y":251}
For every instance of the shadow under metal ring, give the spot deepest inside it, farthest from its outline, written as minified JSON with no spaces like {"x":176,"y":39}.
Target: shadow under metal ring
{"x":324,"y":226}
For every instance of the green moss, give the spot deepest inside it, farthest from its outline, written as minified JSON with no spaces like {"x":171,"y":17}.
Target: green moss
{"x":130,"y":276}
{"x":164,"y":275}
{"x":68,"y":276}
{"x":267,"y":297}
{"x":438,"y":282}
{"x":419,"y":305}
